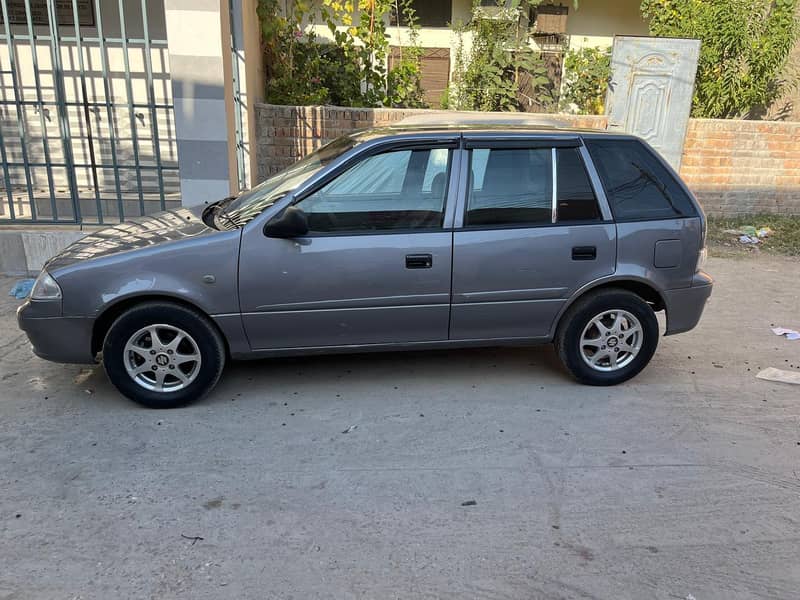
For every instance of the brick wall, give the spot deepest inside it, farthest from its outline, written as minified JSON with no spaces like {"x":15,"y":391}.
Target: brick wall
{"x":285,"y":134}
{"x":734,"y":167}
{"x":743,"y":167}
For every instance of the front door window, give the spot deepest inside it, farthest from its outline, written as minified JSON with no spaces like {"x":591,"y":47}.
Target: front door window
{"x":397,"y":190}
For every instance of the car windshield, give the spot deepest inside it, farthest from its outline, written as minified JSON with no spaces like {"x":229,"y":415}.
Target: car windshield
{"x":253,"y":202}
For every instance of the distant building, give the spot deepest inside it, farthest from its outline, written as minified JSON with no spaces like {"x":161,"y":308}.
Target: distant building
{"x":115,"y":108}
{"x":556,"y":26}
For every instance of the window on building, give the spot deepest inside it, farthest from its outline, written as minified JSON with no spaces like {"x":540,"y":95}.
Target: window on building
{"x":434,"y":71}
{"x":17,"y":14}
{"x":430,"y":13}
{"x":402,"y":189}
{"x":637,"y":184}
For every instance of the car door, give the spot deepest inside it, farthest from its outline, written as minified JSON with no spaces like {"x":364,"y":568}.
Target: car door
{"x":531,"y":232}
{"x":375,"y":266}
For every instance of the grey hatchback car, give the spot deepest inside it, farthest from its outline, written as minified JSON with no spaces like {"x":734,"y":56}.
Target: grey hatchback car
{"x":391,"y":239}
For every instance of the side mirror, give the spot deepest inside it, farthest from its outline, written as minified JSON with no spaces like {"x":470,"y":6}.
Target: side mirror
{"x":291,"y":223}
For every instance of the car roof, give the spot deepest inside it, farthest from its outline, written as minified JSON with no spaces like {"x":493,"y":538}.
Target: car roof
{"x":449,"y":122}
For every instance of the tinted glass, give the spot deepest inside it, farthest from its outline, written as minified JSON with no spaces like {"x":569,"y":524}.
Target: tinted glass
{"x":636,"y":183}
{"x":575,"y":197}
{"x":404,"y":189}
{"x":510,"y":186}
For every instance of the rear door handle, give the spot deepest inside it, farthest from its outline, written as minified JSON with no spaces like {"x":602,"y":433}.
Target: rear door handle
{"x":419,"y":261}
{"x":584,"y":253}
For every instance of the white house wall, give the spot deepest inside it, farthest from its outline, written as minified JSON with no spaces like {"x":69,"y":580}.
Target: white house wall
{"x":594,"y":23}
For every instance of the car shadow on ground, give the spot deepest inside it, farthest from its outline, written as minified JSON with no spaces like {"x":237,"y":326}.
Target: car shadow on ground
{"x":385,"y":370}
{"x":363,"y":374}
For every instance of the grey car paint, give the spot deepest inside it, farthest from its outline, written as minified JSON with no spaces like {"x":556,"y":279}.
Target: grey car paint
{"x":511,"y":283}
{"x":340,"y":293}
{"x":163,"y":256}
{"x":344,"y":290}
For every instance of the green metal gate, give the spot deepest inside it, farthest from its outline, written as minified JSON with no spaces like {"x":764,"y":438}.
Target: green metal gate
{"x":86,"y":114}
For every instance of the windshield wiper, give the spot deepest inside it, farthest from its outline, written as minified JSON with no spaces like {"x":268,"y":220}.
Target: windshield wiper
{"x":218,"y":212}
{"x":221,"y":213}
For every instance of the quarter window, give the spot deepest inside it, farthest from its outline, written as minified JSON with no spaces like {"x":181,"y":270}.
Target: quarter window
{"x":575,"y":199}
{"x":637,"y":184}
{"x":402,"y":189}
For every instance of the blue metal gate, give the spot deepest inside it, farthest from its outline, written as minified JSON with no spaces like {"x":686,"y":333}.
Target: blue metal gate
{"x":86,"y":115}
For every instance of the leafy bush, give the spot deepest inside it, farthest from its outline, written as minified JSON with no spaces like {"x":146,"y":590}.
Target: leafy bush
{"x":586,"y":75}
{"x":403,"y":81}
{"x":350,"y":70}
{"x":745,"y":48}
{"x":499,"y":64}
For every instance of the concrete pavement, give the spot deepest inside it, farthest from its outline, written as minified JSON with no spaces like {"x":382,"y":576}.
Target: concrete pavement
{"x":684,"y":481}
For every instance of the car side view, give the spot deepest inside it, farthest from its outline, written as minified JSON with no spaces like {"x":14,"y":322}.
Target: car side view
{"x":399,"y":238}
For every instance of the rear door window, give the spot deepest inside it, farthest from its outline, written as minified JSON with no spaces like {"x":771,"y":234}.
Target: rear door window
{"x":637,"y":185}
{"x":510,"y":187}
{"x":514,"y":187}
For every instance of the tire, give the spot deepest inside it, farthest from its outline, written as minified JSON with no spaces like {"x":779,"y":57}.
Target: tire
{"x":180,"y":367}
{"x":594,"y":344}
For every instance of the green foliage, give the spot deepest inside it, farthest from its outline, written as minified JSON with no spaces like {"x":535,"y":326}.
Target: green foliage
{"x":403,"y":81}
{"x":723,"y":236}
{"x":745,"y":48}
{"x":585,"y":82}
{"x":499,"y":70}
{"x":348,"y":70}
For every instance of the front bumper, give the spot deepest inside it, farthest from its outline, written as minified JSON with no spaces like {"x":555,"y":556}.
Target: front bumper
{"x":56,"y":338}
{"x":685,"y":305}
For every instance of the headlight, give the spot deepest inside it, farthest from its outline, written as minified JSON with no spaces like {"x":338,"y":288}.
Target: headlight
{"x":45,"y":288}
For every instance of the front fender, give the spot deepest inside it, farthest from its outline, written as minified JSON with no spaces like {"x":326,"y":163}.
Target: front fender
{"x":201,"y":271}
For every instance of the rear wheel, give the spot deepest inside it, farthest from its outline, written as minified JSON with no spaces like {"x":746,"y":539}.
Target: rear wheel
{"x":163,"y":355}
{"x":607,"y":337}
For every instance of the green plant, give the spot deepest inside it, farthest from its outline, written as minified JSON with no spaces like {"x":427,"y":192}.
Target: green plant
{"x":348,"y":70}
{"x":404,"y":80}
{"x":285,"y":55}
{"x":500,"y":70}
{"x":723,"y":234}
{"x":745,"y":48}
{"x":585,"y":82}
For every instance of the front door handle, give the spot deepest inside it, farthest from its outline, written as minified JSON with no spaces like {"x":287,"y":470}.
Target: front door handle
{"x":584,"y":253}
{"x":419,"y":261}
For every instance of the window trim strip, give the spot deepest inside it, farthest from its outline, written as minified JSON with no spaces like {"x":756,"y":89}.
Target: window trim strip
{"x":596,"y":183}
{"x":554,"y":185}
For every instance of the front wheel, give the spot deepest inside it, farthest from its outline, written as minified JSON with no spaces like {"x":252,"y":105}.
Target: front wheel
{"x":163,"y":355}
{"x":607,"y":337}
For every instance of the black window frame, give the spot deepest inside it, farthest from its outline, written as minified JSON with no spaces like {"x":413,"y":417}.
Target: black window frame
{"x":524,"y":142}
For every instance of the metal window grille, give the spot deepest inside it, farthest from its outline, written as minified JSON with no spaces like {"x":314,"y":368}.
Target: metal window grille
{"x":87,"y":131}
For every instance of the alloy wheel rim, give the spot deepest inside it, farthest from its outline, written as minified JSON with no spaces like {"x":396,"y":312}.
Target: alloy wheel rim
{"x":162,"y":358}
{"x":611,"y":340}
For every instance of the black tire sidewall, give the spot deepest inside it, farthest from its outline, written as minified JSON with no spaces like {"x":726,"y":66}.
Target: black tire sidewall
{"x":579,"y":317}
{"x":206,"y":337}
